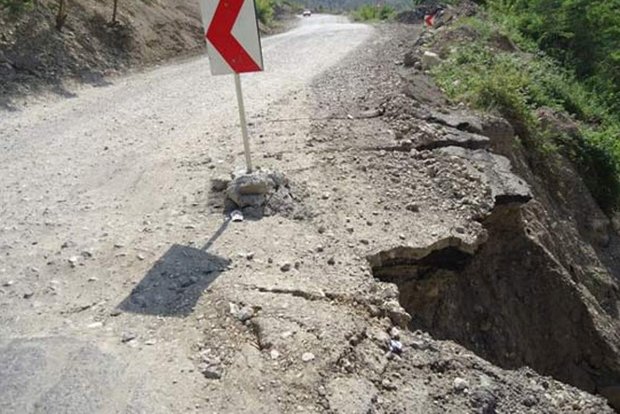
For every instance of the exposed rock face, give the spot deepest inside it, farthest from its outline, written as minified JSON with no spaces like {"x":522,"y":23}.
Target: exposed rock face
{"x":511,"y":302}
{"x":38,"y":55}
{"x":530,"y":293}
{"x":527,"y":289}
{"x":500,"y":133}
{"x":539,"y":287}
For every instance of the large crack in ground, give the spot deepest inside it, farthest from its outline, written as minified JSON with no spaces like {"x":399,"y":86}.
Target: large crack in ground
{"x":510,"y":302}
{"x":420,"y":187}
{"x":523,"y":293}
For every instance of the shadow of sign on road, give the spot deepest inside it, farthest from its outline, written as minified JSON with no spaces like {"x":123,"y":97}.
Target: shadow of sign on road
{"x":177,"y":280}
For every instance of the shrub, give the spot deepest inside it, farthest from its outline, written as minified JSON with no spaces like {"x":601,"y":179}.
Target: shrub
{"x":16,"y":6}
{"x":369,"y":12}
{"x":583,"y":35}
{"x":264,"y":11}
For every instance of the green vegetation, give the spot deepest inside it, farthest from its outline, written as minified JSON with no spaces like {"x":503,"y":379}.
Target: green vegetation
{"x":16,"y":6}
{"x":268,"y":10}
{"x":264,"y":11}
{"x":60,"y":7}
{"x":517,"y":83}
{"x":583,"y":35}
{"x":369,"y":12}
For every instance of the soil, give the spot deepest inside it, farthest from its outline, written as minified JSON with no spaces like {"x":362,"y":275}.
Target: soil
{"x":125,"y":279}
{"x":35,"y":57}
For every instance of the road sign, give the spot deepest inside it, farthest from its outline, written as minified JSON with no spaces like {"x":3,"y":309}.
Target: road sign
{"x":233,"y":42}
{"x":233,"y":45}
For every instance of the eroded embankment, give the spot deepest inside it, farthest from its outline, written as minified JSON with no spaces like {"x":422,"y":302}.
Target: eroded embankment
{"x":510,"y":301}
{"x":533,"y":289}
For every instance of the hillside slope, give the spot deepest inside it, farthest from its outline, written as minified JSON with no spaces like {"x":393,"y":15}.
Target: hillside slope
{"x":33,"y":53}
{"x":542,"y":290}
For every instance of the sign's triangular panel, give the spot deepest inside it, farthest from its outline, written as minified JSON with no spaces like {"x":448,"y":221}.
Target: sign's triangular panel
{"x":233,"y":41}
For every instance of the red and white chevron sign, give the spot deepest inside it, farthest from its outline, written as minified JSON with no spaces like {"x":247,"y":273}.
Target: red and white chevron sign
{"x":233,"y":42}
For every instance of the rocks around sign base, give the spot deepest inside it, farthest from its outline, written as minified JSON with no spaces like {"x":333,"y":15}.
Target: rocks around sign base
{"x":246,"y":189}
{"x":254,"y":193}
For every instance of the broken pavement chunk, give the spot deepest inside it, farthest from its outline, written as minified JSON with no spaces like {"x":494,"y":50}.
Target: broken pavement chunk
{"x":506,"y":187}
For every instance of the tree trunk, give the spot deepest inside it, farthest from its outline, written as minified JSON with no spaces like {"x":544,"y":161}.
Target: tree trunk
{"x":114,"y":11}
{"x":61,"y":16}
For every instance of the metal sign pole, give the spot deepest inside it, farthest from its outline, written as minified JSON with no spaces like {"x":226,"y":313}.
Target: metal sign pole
{"x":244,"y":126}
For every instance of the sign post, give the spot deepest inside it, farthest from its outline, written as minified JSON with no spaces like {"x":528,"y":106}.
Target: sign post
{"x":233,"y":46}
{"x":244,"y":126}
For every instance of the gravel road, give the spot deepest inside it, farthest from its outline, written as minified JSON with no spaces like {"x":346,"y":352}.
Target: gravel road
{"x":101,"y":187}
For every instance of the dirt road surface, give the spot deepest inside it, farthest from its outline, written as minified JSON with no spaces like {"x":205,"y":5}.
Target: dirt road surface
{"x":98,"y":187}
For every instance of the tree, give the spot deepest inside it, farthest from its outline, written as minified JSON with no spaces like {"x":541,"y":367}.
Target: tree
{"x":114,"y":10}
{"x":61,"y":15}
{"x":264,"y":11}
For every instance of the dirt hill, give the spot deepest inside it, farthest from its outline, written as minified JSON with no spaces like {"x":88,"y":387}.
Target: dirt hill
{"x":33,"y":53}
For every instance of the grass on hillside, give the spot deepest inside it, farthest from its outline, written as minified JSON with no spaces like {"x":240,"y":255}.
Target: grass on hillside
{"x":515,"y":84}
{"x":369,"y":13}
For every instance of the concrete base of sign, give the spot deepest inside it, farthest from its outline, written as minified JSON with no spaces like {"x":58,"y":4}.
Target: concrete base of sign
{"x":259,"y":193}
